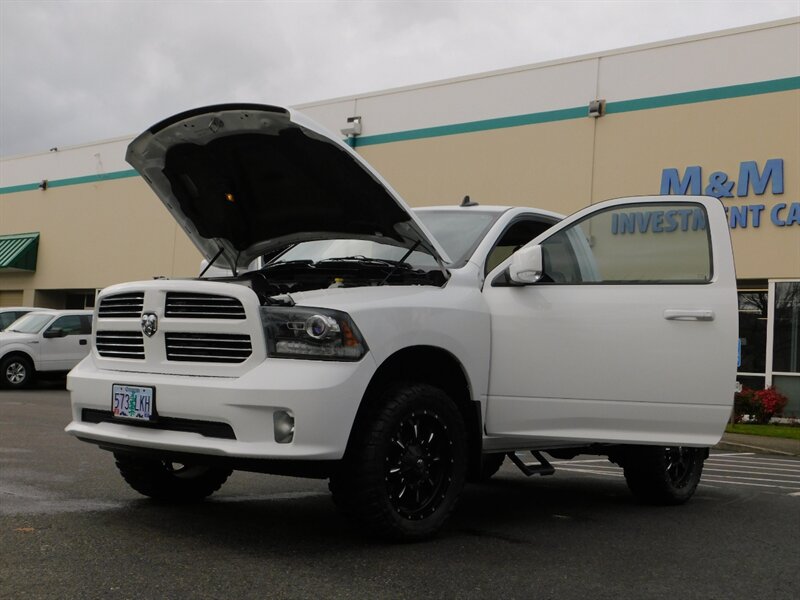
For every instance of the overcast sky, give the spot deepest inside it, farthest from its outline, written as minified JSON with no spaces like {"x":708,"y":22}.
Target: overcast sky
{"x":73,"y":72}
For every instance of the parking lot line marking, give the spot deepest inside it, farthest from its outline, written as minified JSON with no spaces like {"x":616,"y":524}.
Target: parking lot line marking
{"x":795,"y":494}
{"x":795,"y":464}
{"x":758,"y":479}
{"x":704,"y":480}
{"x":754,"y":459}
{"x":743,"y":470}
{"x":576,"y":462}
{"x":715,"y":454}
{"x":767,"y":485}
{"x":590,"y":472}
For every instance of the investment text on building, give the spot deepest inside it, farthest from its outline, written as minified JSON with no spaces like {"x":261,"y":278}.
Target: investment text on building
{"x":751,"y":179}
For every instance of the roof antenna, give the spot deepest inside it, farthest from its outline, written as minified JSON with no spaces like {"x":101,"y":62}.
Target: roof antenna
{"x":467,"y":202}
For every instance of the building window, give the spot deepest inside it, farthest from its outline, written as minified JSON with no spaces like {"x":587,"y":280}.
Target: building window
{"x":753,"y":315}
{"x":769,"y":334}
{"x":784,"y":346}
{"x":786,"y":332}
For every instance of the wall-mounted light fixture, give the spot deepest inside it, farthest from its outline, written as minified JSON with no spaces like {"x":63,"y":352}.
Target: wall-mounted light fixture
{"x":597,"y":108}
{"x":43,"y":184}
{"x":353,"y":127}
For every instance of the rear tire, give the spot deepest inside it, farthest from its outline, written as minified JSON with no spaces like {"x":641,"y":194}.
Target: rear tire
{"x":169,"y":481}
{"x":664,"y":475}
{"x":17,"y":372}
{"x":407,"y":466}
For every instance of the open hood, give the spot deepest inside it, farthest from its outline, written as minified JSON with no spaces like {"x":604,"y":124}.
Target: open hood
{"x":247,"y":179}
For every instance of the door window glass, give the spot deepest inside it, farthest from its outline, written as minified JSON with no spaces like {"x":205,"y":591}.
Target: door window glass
{"x":70,"y":324}
{"x":86,"y":325}
{"x":640,"y":243}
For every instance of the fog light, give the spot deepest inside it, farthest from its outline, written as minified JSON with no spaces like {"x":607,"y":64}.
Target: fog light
{"x":284,"y":426}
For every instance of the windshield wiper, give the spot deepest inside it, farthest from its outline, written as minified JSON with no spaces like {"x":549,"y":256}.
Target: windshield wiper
{"x":385,"y":262}
{"x":299,"y":261}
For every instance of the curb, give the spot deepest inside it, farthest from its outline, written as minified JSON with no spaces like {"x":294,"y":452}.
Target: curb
{"x":747,"y":447}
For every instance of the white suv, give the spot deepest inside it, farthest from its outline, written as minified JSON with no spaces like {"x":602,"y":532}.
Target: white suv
{"x":42,"y":341}
{"x":396,"y":352}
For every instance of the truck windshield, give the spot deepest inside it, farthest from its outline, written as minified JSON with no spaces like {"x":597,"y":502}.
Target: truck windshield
{"x":317,"y":250}
{"x":459,"y":233}
{"x":30,"y":323}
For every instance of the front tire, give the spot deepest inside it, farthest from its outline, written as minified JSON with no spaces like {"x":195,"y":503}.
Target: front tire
{"x":407,"y":467}
{"x":169,"y":481}
{"x":17,"y":372}
{"x":664,"y":475}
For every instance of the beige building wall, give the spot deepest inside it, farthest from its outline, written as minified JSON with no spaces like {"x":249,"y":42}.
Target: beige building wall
{"x":94,"y":235}
{"x":548,"y":166}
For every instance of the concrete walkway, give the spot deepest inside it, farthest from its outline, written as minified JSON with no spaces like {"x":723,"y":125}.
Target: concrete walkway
{"x":738,"y":442}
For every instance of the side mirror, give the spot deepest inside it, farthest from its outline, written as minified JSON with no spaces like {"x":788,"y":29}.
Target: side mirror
{"x":527,"y":265}
{"x":54,"y":333}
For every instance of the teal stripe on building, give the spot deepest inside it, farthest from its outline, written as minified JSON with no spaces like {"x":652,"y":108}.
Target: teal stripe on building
{"x":565,"y":114}
{"x":622,"y":106}
{"x":26,"y":187}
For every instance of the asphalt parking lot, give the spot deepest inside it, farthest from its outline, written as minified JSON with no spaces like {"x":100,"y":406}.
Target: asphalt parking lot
{"x":71,"y":528}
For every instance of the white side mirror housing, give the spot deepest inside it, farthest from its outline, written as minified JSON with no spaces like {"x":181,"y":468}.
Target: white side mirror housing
{"x":527,"y":265}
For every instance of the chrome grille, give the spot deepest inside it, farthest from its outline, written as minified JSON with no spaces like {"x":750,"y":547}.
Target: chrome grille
{"x":120,"y":344}
{"x":203,"y":306}
{"x":121,"y":305}
{"x":208,"y":347}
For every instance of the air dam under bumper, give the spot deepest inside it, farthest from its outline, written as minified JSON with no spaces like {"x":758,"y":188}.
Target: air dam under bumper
{"x":323,"y":396}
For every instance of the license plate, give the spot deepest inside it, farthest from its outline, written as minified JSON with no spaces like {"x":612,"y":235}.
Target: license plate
{"x":133,"y":402}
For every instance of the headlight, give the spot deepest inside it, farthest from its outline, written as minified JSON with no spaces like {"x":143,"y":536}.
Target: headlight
{"x":315,"y":333}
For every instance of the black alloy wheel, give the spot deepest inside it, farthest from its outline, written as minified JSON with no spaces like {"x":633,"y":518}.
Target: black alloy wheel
{"x":406,"y":466}
{"x":679,"y":463}
{"x":419,"y":465}
{"x":664,"y":475}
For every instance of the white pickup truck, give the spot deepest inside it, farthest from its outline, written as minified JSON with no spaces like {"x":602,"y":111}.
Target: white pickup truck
{"x":401,"y":353}
{"x":42,"y":342}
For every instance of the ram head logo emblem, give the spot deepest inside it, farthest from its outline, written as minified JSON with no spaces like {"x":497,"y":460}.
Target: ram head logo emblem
{"x":149,"y":324}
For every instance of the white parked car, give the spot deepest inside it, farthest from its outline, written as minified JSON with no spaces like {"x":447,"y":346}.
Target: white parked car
{"x":43,"y":341}
{"x":400,"y":353}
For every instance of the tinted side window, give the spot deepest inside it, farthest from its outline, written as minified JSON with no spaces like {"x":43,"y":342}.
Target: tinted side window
{"x":86,"y":325}
{"x":642,"y":243}
{"x":7,"y":319}
{"x":71,"y":324}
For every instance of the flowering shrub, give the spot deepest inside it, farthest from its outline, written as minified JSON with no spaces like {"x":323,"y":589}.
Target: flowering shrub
{"x":744,"y":404}
{"x":758,"y":405}
{"x":771,"y":402}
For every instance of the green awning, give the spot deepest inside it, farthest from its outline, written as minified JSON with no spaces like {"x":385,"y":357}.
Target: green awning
{"x":18,"y":252}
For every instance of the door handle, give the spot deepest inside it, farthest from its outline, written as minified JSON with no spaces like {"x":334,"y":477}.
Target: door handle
{"x":703,"y":314}
{"x":82,"y":342}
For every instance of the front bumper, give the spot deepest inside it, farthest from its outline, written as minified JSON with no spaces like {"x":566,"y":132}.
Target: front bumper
{"x":323,"y":397}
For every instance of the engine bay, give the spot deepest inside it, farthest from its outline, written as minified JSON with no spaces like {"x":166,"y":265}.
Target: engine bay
{"x":274,"y":282}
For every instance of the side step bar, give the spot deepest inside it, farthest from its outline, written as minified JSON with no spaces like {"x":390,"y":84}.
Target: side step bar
{"x":541,"y":468}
